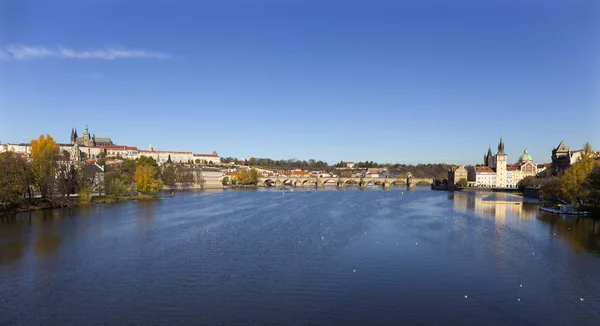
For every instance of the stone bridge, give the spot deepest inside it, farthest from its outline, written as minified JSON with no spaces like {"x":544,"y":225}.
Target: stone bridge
{"x":311,"y":181}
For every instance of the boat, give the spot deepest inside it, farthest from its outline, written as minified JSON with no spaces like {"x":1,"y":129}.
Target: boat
{"x":563,"y":210}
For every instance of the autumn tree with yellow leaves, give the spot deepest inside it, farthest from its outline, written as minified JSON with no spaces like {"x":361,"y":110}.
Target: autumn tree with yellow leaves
{"x":146,"y":181}
{"x":572,"y":185}
{"x":578,"y":184}
{"x":44,"y":155}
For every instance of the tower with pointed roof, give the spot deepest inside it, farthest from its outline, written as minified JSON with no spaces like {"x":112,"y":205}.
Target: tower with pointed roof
{"x":561,"y":158}
{"x":488,"y":160}
{"x":501,"y":157}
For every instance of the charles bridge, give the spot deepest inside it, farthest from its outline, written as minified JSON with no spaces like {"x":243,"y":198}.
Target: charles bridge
{"x":313,"y":181}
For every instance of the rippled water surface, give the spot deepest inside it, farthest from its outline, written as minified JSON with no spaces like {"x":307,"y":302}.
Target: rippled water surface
{"x":344,"y":257}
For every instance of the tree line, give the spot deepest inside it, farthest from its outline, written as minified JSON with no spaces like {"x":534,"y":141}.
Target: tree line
{"x":50,"y":175}
{"x":419,"y":170}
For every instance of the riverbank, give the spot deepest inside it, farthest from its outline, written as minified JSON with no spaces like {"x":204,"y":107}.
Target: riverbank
{"x":37,"y":205}
{"x":483,"y":189}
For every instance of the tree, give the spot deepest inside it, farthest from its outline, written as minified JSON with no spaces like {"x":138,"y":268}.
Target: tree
{"x":462,"y":182}
{"x":44,"y":153}
{"x":247,"y":176}
{"x":127,"y":168}
{"x":13,"y":179}
{"x":527,"y":182}
{"x":225,"y":181}
{"x":550,"y":190}
{"x":115,"y":183}
{"x":253,"y":176}
{"x":67,"y":178}
{"x":168,"y":176}
{"x":145,"y":180}
{"x":85,"y":193}
{"x":184,"y":176}
{"x":592,"y":186}
{"x":146,"y":160}
{"x":572,"y":181}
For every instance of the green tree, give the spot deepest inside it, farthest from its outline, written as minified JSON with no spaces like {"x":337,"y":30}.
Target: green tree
{"x":592,"y":186}
{"x":184,"y":176}
{"x":127,"y":169}
{"x":225,"y":181}
{"x":168,"y":176}
{"x":115,"y":183}
{"x":85,"y":193}
{"x":550,"y":190}
{"x":462,"y":182}
{"x":44,"y":154}
{"x":146,"y":160}
{"x":146,"y":181}
{"x":253,"y":176}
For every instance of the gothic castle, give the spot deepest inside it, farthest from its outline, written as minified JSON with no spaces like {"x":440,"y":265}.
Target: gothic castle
{"x":87,"y":140}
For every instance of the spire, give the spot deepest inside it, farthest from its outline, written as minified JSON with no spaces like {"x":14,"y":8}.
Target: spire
{"x":501,"y":146}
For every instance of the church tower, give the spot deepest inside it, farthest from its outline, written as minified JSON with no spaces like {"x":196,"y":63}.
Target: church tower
{"x":86,"y":137}
{"x":489,"y":158}
{"x":501,"y":157}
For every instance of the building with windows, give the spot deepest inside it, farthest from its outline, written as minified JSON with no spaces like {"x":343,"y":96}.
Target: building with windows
{"x":495,"y":172}
{"x":455,"y":174}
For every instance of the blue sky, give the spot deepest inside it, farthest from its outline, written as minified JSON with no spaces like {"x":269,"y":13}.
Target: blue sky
{"x":389,"y":81}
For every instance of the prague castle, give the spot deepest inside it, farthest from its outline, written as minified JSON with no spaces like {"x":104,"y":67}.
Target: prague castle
{"x":91,"y":147}
{"x":87,"y":140}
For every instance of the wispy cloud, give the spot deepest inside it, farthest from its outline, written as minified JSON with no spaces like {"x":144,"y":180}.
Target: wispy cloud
{"x":26,"y":52}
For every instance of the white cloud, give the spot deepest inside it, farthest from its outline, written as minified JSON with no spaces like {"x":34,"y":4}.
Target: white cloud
{"x":25,"y":52}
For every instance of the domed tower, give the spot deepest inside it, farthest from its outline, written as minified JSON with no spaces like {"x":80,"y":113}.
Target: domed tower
{"x":525,"y":157}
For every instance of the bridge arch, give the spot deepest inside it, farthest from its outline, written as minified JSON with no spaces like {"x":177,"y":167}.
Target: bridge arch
{"x":329,"y":182}
{"x":311,"y":181}
{"x":269,"y":183}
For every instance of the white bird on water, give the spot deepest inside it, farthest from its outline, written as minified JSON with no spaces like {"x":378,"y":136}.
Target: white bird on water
{"x":322,"y":238}
{"x":580,"y":299}
{"x":466,"y":296}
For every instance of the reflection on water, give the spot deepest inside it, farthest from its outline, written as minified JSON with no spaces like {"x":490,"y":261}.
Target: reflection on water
{"x":326,"y":257}
{"x":494,"y":205}
{"x":582,"y":233}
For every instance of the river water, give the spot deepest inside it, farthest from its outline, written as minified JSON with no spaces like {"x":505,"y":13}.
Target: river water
{"x":344,"y":257}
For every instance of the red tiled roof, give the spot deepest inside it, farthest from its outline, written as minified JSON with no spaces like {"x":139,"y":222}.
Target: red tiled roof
{"x":484,"y":169}
{"x":299,"y":173}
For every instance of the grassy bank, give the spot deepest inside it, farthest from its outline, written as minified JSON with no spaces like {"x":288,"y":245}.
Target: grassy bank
{"x":67,"y":202}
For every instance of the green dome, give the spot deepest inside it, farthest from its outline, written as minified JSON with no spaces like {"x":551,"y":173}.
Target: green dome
{"x":525,"y":157}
